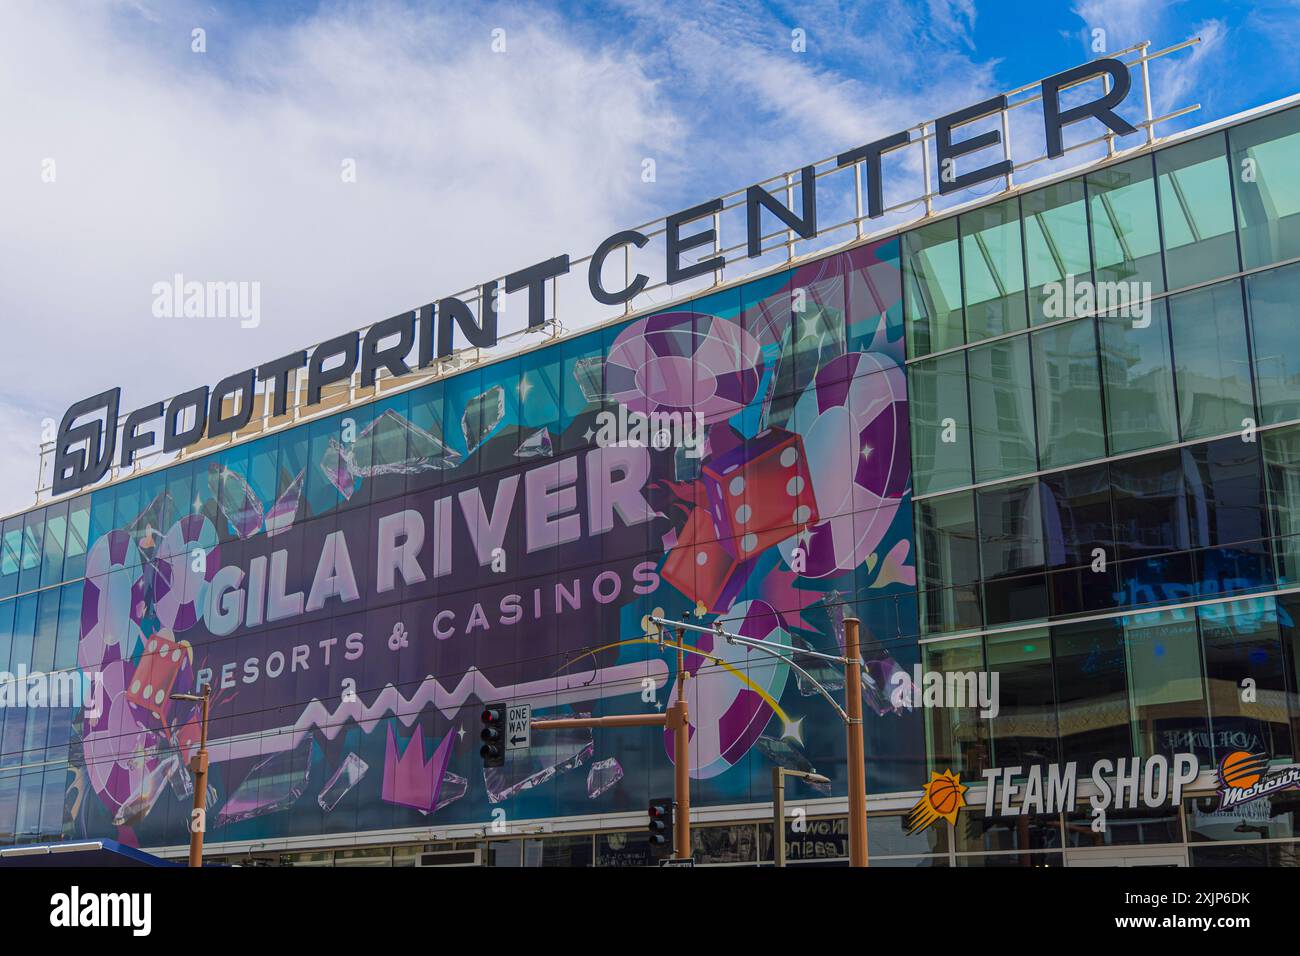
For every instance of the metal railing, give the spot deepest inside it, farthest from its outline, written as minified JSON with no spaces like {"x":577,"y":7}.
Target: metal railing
{"x":796,"y":249}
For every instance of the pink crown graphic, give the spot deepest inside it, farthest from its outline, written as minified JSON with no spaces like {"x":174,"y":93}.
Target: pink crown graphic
{"x":410,"y":780}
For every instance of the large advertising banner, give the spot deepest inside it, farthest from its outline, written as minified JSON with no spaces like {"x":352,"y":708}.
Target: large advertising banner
{"x":354,"y":589}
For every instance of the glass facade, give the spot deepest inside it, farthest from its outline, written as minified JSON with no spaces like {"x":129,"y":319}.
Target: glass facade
{"x":1054,"y":438}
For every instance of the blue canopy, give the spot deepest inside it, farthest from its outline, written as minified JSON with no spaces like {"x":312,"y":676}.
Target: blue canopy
{"x":83,"y":853}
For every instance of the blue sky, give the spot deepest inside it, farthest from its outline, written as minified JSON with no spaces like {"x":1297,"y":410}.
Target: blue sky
{"x":224,"y":165}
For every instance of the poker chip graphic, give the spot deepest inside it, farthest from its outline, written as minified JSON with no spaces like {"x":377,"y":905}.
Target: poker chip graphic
{"x":684,"y":362}
{"x":116,"y":743}
{"x":190,"y":560}
{"x":727,"y":715}
{"x":109,"y":628}
{"x":853,"y":420}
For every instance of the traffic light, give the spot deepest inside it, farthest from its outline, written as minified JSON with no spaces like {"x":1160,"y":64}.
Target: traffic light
{"x":493,"y":736}
{"x":661,"y":825}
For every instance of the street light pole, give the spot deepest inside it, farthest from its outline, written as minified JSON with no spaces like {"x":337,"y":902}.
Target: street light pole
{"x":199,"y":765}
{"x":856,"y":755}
{"x":778,"y":804}
{"x":850,"y":714}
{"x":681,"y":755}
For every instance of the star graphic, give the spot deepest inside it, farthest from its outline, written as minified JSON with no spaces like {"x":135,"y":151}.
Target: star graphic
{"x":587,"y":434}
{"x":460,"y":733}
{"x":525,"y":387}
{"x":793,"y":729}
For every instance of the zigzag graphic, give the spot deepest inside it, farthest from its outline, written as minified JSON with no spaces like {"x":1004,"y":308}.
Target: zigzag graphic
{"x":561,"y":689}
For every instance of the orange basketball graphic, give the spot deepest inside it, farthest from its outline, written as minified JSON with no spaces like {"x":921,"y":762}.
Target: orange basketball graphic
{"x":1241,"y":769}
{"x":942,"y":798}
{"x":944,"y":795}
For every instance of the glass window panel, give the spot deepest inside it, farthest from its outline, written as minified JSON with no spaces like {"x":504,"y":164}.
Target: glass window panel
{"x":1056,"y":243}
{"x":1272,"y":817}
{"x":47,"y":622}
{"x":957,"y":738}
{"x":1241,"y":641}
{"x":6,"y":636}
{"x":1024,"y":727}
{"x":56,"y":533}
{"x":74,"y":551}
{"x":1011,"y":552}
{"x":1168,"y":692}
{"x":102,"y":506}
{"x":1067,"y":391}
{"x":1125,"y":233}
{"x":1268,"y":192}
{"x":948,"y":559}
{"x":24,"y":632}
{"x":1274,"y":308}
{"x":1151,"y":527}
{"x":1211,"y":361}
{"x":65,"y":655}
{"x":1002,"y":409}
{"x":1124,"y":827}
{"x":993,"y":270}
{"x":1281,"y":449}
{"x":937,"y":408}
{"x":1137,"y":369}
{"x":29,"y":575}
{"x":1225,"y":502}
{"x":1092,"y":691}
{"x":1196,"y":211}
{"x":932,"y":288}
{"x":1077,"y":523}
{"x":11,"y":553}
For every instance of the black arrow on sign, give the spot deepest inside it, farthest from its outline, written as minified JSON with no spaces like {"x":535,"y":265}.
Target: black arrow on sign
{"x":515,"y":740}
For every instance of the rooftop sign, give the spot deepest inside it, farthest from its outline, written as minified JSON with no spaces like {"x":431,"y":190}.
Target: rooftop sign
{"x":87,"y":441}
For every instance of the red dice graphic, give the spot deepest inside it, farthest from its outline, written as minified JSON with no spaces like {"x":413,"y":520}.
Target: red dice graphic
{"x":760,"y":492}
{"x":187,"y":737}
{"x":702,"y":569}
{"x":165,"y":664}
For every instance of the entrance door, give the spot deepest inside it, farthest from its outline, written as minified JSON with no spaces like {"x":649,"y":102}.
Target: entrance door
{"x":1128,"y":856}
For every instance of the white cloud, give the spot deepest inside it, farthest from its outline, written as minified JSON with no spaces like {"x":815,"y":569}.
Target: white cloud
{"x":226,"y":166}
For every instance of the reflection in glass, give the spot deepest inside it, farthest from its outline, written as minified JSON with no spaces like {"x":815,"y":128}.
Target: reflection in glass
{"x":1273,"y":299}
{"x":1212,"y":366}
{"x":940,"y":422}
{"x":1056,"y":241}
{"x":1268,"y":193}
{"x":1196,"y":211}
{"x":932,"y":288}
{"x":1002,"y":409}
{"x":993,"y":270}
{"x":1067,"y":394}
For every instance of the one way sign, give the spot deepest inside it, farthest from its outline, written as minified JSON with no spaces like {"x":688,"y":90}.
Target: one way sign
{"x":518,"y":726}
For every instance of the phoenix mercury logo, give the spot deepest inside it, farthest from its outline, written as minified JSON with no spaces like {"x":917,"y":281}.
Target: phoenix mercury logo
{"x":1244,"y":776}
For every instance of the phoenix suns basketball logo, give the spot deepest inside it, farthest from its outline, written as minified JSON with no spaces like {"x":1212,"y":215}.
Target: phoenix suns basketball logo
{"x":941,"y":799}
{"x":1244,"y":776}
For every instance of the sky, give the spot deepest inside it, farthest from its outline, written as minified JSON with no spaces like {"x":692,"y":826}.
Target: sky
{"x":479,"y":139}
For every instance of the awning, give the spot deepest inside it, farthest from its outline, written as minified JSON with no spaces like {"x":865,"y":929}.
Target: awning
{"x":92,"y":853}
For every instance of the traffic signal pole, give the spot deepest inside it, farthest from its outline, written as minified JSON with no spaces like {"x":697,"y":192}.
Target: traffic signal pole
{"x":676,"y":719}
{"x":850,"y":714}
{"x":679,"y":723}
{"x":856,"y":755}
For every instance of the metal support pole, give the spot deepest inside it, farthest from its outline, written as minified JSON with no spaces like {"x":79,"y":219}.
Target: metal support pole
{"x":856,"y":757}
{"x":200,"y":767}
{"x":682,"y":759}
{"x":778,"y":814}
